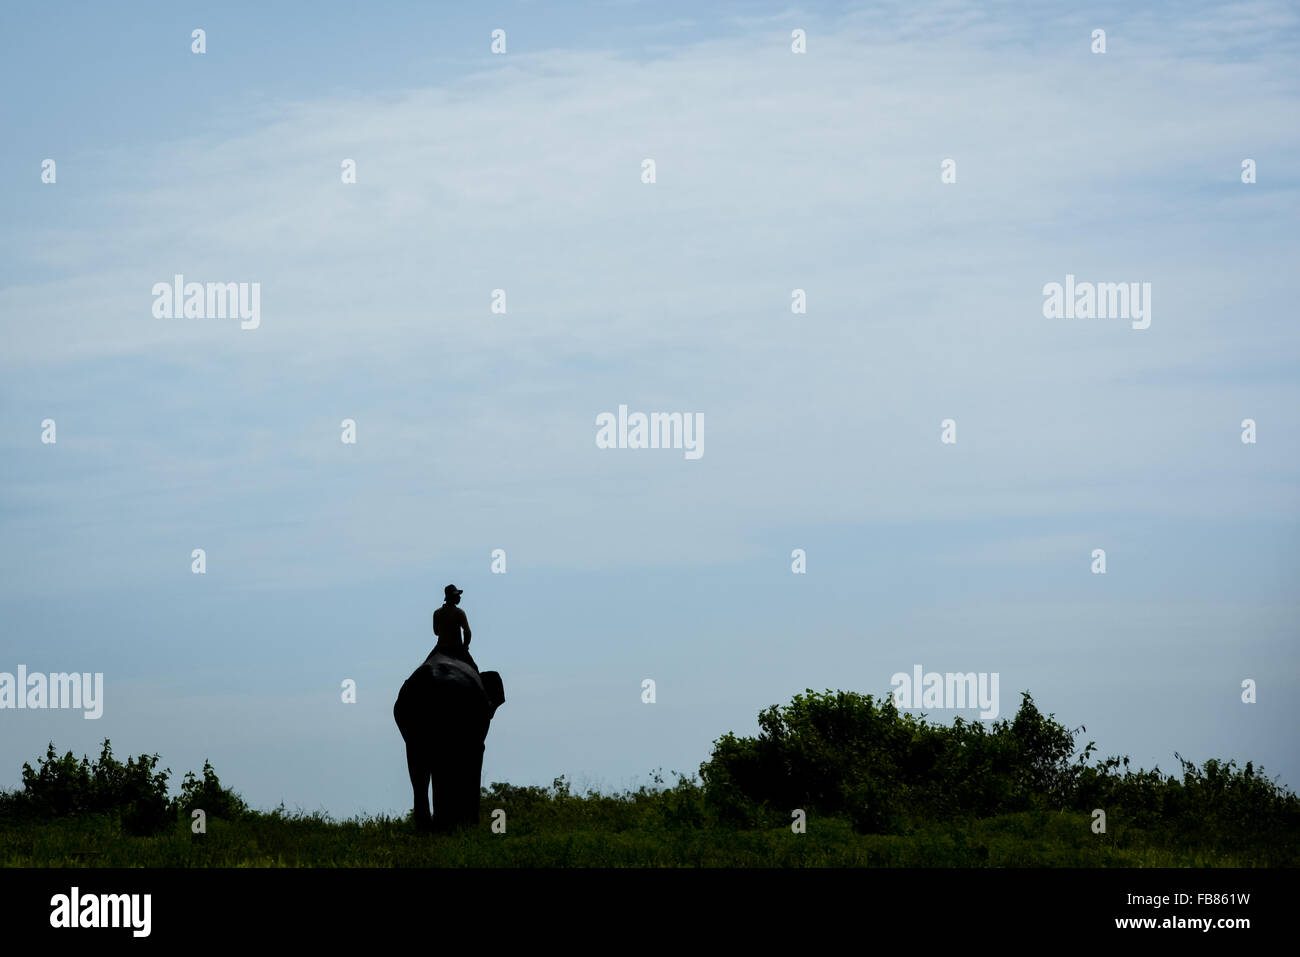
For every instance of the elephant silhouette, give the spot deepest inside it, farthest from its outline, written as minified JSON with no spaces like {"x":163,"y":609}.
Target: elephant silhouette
{"x":443,"y":711}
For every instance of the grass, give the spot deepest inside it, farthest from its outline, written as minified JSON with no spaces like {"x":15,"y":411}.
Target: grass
{"x":623,"y":831}
{"x":880,"y":788}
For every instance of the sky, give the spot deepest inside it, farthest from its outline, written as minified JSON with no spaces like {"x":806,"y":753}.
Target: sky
{"x":476,"y":430}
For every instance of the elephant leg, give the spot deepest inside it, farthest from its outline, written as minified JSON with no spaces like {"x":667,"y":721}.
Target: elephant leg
{"x":473,"y":794}
{"x":417,"y":766}
{"x":467,"y":791}
{"x":456,"y":787}
{"x":444,"y":801}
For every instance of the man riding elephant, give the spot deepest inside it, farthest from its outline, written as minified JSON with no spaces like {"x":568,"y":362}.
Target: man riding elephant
{"x":443,"y":711}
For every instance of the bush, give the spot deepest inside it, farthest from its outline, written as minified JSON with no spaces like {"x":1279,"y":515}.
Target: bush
{"x":844,"y":753}
{"x":134,"y":792}
{"x":208,"y":795}
{"x":64,"y":786}
{"x":1237,"y":804}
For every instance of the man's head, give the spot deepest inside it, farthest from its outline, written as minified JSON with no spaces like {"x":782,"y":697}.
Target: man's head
{"x":452,"y":594}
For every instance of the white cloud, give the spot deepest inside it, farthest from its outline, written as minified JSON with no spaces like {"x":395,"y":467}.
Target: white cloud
{"x":775,"y":171}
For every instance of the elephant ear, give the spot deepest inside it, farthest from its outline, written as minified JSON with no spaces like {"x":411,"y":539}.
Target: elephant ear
{"x":496,"y":691}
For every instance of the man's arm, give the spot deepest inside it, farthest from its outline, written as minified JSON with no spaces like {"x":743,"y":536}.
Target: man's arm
{"x":464,"y":624}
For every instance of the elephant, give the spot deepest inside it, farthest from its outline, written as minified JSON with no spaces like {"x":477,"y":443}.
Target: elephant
{"x":443,"y":712}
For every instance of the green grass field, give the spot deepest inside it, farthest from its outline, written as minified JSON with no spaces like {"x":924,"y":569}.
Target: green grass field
{"x":629,"y":831}
{"x":872,"y":786}
{"x":1029,"y":839}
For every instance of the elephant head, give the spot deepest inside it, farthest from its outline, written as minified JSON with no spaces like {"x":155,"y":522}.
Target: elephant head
{"x":443,"y":711}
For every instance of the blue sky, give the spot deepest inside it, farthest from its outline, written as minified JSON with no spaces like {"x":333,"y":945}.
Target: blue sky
{"x":476,"y":431}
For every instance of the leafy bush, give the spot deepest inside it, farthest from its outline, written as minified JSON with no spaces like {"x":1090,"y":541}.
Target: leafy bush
{"x":1220,"y":798}
{"x":208,"y":795}
{"x":847,"y":754}
{"x":63,"y":786}
{"x":134,"y":792}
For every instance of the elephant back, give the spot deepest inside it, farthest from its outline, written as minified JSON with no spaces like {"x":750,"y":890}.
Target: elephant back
{"x":446,"y":669}
{"x":444,"y":694}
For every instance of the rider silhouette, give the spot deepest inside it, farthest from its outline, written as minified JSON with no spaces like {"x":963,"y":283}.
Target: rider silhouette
{"x":449,"y":624}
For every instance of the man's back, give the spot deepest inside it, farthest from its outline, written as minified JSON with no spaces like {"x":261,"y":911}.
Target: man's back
{"x":451,"y":626}
{"x":449,"y":622}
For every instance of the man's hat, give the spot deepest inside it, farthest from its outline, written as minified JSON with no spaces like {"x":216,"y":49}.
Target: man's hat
{"x":453,"y":590}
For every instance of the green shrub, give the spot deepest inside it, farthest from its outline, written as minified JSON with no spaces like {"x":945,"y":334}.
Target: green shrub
{"x":134,"y":792}
{"x":208,"y":795}
{"x":63,"y":786}
{"x":847,"y":754}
